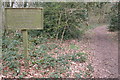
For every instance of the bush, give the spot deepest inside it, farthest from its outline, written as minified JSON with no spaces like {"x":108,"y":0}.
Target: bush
{"x":62,"y":20}
{"x":114,"y":19}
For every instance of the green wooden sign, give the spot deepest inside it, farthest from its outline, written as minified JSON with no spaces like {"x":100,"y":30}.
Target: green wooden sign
{"x":24,"y":18}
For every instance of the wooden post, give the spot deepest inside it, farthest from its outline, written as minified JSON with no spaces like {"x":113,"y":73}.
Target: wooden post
{"x":25,"y":46}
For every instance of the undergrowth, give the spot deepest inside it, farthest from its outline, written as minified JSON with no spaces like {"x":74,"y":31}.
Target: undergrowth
{"x":38,"y":51}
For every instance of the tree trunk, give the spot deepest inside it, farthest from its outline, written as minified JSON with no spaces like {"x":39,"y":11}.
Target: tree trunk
{"x":58,"y":25}
{"x":1,"y":36}
{"x":10,"y":3}
{"x":63,"y":34}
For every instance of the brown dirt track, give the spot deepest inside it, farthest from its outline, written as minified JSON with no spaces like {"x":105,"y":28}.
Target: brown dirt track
{"x":103,"y":47}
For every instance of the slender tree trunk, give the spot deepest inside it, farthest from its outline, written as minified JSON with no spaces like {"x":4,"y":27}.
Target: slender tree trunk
{"x":10,"y":3}
{"x":1,"y":36}
{"x":23,"y":4}
{"x":58,"y":25}
{"x":64,"y":26}
{"x":63,"y":34}
{"x":57,"y":36}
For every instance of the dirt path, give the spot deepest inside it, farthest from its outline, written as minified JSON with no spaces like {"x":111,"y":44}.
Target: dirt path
{"x":103,"y":45}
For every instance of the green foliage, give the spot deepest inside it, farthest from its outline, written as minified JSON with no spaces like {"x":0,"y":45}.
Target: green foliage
{"x":68,"y":20}
{"x":50,"y":62}
{"x":114,"y":18}
{"x":38,"y":56}
{"x":10,"y":60}
{"x":46,"y":62}
{"x":89,"y":66}
{"x":37,"y":40}
{"x":42,"y":50}
{"x":21,"y":76}
{"x":52,"y":46}
{"x":78,"y":75}
{"x":55,"y":75}
{"x":84,"y":74}
{"x":72,"y":46}
{"x":79,"y":57}
{"x":10,"y":48}
{"x":62,"y":20}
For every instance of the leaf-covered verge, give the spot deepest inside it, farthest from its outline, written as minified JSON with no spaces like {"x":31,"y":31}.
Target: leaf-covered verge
{"x":48,"y":58}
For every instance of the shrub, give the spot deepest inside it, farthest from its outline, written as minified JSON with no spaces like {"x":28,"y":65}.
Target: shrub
{"x":114,"y":19}
{"x":62,"y":20}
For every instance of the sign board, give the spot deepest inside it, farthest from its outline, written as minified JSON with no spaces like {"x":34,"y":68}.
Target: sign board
{"x":24,"y":18}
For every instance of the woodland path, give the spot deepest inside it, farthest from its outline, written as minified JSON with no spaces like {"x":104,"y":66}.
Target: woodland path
{"x":103,"y":47}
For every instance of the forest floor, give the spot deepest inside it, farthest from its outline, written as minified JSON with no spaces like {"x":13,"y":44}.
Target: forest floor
{"x":103,"y":48}
{"x":100,"y":45}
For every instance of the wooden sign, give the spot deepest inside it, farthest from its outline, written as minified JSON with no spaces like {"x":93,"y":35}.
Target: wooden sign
{"x":24,"y":18}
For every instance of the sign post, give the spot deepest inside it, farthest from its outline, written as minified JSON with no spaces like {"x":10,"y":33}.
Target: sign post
{"x":25,"y":45}
{"x":24,"y":19}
